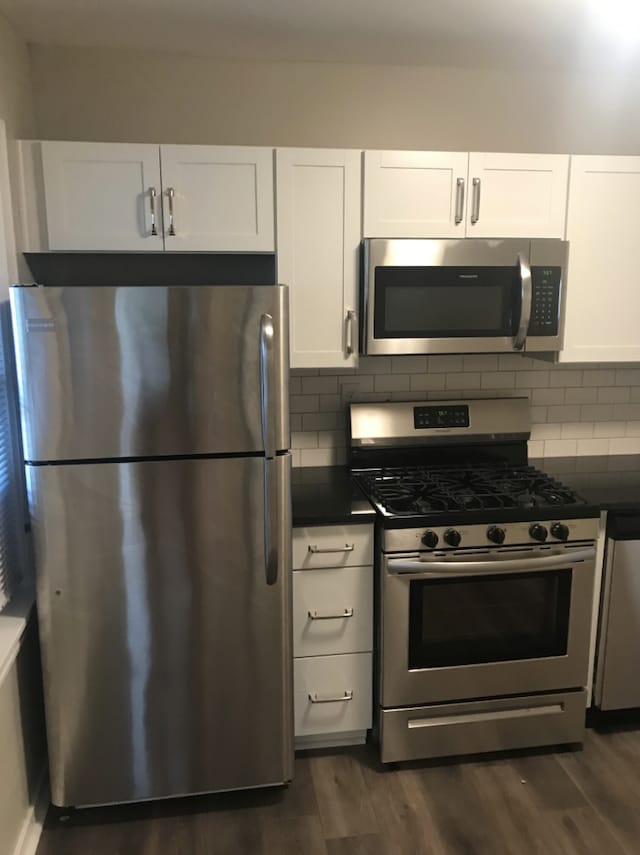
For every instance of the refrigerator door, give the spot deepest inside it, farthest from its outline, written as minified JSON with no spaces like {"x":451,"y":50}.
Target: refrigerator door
{"x":142,"y":372}
{"x":166,"y":647}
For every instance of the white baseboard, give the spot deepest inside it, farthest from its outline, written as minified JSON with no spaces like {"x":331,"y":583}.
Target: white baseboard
{"x":29,"y":836}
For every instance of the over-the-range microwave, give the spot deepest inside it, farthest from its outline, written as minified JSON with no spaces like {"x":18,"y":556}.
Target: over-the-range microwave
{"x":462,"y":296}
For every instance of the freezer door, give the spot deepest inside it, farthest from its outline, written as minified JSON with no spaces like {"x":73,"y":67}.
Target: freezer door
{"x":137,"y":372}
{"x":166,"y":635}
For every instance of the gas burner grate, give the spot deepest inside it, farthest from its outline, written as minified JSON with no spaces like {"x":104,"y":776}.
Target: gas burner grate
{"x":416,"y":490}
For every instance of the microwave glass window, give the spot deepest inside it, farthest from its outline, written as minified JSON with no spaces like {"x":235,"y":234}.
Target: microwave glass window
{"x":488,"y":618}
{"x":440,"y":302}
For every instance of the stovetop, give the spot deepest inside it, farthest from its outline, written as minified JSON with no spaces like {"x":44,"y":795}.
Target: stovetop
{"x":466,"y":493}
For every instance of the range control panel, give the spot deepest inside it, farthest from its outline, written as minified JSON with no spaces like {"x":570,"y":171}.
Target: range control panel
{"x":545,"y":300}
{"x":454,"y":416}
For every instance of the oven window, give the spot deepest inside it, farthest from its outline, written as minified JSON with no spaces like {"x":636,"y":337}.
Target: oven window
{"x":440,"y":302}
{"x":488,"y":618}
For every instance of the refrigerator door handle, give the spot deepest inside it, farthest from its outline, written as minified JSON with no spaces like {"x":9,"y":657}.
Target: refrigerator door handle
{"x":268,"y":443}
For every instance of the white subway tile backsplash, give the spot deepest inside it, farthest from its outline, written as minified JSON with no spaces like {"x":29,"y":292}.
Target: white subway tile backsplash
{"x":392,"y":382}
{"x":560,"y":447}
{"x":304,"y":403}
{"x":564,"y":413}
{"x":532,"y":379}
{"x":445,"y":363}
{"x":583,"y":410}
{"x":462,"y":381}
{"x":480,"y":362}
{"x":614,"y":395}
{"x":544,"y":397}
{"x":427,"y":381}
{"x":408,"y":364}
{"x":499,"y":380}
{"x":579,"y":396}
{"x":593,"y":446}
{"x":319,"y":385}
{"x":565,"y":378}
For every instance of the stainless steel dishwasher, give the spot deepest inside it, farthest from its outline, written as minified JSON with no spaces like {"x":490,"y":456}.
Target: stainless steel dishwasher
{"x":618,"y":666}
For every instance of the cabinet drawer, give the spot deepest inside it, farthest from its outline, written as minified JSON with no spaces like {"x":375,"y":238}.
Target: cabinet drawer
{"x":333,"y":611}
{"x":332,"y":693}
{"x":332,"y":546}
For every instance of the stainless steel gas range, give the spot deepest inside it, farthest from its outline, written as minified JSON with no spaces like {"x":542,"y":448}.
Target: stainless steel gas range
{"x":485,"y":580}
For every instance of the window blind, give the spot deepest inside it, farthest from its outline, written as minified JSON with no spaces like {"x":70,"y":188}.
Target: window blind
{"x":12,"y":489}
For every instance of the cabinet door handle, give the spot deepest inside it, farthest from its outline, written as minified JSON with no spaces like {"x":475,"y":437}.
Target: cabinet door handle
{"x":170,"y":195}
{"x":459,"y":200}
{"x":315,"y":698}
{"x":152,"y":203}
{"x":351,"y":320}
{"x":475,"y":212}
{"x":316,"y":615}
{"x":317,"y":550}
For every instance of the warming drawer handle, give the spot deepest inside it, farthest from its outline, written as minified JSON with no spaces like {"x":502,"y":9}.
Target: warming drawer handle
{"x":317,"y":550}
{"x":316,"y":615}
{"x":492,"y":566}
{"x":495,"y":715}
{"x":332,"y":699}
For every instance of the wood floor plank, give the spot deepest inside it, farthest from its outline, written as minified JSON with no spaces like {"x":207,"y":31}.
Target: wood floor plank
{"x":343,"y":801}
{"x":364,"y":844}
{"x":549,"y":783}
{"x":582,"y":831}
{"x":292,"y":836}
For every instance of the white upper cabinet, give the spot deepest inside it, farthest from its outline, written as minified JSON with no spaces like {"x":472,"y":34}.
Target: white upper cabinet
{"x":431,"y":194}
{"x":603,"y":225}
{"x":414,"y":194}
{"x":318,"y":238}
{"x":517,"y":195}
{"x":100,"y":196}
{"x":217,"y":198}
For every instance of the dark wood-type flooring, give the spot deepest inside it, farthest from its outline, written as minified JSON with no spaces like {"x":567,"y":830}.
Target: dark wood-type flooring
{"x":343,"y":803}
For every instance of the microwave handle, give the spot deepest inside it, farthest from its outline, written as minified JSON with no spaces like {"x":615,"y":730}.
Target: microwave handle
{"x":525,"y":305}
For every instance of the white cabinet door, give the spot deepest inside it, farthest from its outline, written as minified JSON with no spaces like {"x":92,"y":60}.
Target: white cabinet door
{"x":318,"y":226}
{"x":98,"y":196}
{"x":517,"y":195}
{"x":603,"y":226}
{"x":217,"y":198}
{"x":332,"y":694}
{"x":414,"y":194}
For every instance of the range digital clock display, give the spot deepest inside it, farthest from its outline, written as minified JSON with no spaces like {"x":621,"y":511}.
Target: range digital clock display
{"x":441,"y":417}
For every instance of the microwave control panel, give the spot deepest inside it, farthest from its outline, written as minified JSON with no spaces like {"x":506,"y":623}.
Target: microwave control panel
{"x":545,"y":300}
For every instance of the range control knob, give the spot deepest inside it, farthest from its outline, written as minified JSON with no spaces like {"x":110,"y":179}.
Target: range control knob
{"x":538,"y":532}
{"x":430,"y":539}
{"x":560,"y":530}
{"x":452,"y":537}
{"x":496,"y":534}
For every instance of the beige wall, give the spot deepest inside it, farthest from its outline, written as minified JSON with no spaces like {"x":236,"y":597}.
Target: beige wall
{"x":145,"y":96}
{"x":16,"y":100}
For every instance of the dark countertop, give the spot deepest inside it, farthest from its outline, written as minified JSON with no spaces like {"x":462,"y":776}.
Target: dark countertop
{"x":325,"y":495}
{"x":612,"y":482}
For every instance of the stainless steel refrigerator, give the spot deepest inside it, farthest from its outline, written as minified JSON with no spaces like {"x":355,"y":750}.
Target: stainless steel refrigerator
{"x":156,"y":435}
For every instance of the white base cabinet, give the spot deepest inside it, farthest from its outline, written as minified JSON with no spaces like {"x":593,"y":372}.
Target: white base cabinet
{"x":603,"y":224}
{"x":318,"y":241}
{"x":332,"y":635}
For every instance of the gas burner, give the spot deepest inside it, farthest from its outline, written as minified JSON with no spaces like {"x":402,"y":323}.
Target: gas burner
{"x":428,"y":490}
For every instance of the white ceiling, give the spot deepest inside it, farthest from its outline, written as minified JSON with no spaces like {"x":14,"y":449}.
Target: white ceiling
{"x":526,"y":34}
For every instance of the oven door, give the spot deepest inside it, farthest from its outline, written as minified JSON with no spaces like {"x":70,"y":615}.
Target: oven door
{"x":445,"y":296}
{"x":496,"y":623}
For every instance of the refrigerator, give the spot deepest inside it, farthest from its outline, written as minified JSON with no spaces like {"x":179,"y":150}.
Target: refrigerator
{"x":156,"y":442}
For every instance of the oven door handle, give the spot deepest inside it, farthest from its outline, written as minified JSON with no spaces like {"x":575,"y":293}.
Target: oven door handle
{"x":490,"y":567}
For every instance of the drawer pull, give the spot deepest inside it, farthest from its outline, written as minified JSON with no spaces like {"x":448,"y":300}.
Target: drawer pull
{"x":316,"y":615}
{"x":315,"y":699}
{"x":316,"y":550}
